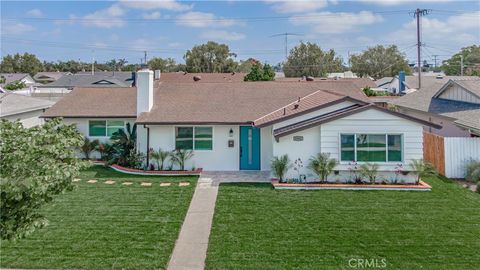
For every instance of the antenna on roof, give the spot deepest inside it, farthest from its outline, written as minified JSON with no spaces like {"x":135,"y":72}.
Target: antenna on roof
{"x":286,"y":34}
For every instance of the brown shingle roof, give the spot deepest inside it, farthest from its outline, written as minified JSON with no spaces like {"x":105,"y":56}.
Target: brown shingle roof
{"x":96,"y":102}
{"x":231,"y":102}
{"x":183,"y":77}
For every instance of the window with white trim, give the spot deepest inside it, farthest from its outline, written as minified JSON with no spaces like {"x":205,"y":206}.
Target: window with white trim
{"x":371,"y":147}
{"x":198,"y":138}
{"x":104,"y":128}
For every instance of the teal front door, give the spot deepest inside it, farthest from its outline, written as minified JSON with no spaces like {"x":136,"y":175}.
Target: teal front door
{"x":249,"y":148}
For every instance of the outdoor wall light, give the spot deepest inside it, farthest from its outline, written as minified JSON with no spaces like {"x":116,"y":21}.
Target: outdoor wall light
{"x":230,"y":132}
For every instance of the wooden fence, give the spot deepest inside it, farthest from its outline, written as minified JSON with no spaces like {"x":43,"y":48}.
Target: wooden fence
{"x":434,"y":151}
{"x":450,"y":155}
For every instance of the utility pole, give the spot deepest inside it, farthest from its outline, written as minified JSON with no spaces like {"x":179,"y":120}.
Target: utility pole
{"x":93,"y":62}
{"x":435,"y":60}
{"x":145,"y":57}
{"x":461,"y":65}
{"x":286,"y":34}
{"x":417,"y":14}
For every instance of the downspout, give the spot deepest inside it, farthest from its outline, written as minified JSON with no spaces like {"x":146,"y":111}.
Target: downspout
{"x":148,"y":145}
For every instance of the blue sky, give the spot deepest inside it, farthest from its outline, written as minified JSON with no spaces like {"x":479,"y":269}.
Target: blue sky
{"x":60,"y":30}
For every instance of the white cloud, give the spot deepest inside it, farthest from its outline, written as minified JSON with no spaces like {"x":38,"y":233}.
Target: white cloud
{"x":175,"y":44}
{"x":222,"y":35}
{"x":157,"y":4}
{"x":152,"y":16}
{"x":17,"y":29}
{"x":462,"y":29}
{"x":400,"y":2}
{"x":297,"y":6}
{"x":202,"y":19}
{"x":335,"y":23}
{"x":105,"y":18}
{"x":142,"y":44}
{"x":37,"y":13}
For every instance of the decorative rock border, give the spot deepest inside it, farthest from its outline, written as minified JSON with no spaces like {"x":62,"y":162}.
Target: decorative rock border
{"x":422,"y":186}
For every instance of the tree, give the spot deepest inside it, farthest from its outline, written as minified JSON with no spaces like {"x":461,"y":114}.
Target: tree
{"x":379,"y":62}
{"x":322,"y":165}
{"x":26,"y":63}
{"x":15,"y":85}
{"x":124,"y":147}
{"x":471,"y":60}
{"x":308,"y":59}
{"x":259,"y":73}
{"x":36,"y":164}
{"x":210,"y":57}
{"x":245,"y":65}
{"x":165,"y":65}
{"x":88,"y":147}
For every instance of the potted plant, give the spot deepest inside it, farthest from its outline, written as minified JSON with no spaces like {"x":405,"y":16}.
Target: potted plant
{"x":280,"y":166}
{"x":322,"y":165}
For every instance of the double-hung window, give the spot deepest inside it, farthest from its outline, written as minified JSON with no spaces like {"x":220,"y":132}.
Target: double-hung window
{"x":104,"y":128}
{"x":371,"y":147}
{"x":197,"y":138}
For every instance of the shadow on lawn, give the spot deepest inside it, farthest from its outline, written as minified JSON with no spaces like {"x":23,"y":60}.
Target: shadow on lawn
{"x":100,"y":171}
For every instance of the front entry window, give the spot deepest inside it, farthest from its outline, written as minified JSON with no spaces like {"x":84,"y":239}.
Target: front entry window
{"x":371,"y":147}
{"x":198,"y":138}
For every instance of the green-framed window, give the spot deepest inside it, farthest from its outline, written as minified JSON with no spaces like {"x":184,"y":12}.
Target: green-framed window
{"x":198,"y":138}
{"x":104,"y":128}
{"x":371,"y":147}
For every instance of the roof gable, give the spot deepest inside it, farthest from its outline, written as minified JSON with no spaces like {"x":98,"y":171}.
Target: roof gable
{"x":457,"y":90}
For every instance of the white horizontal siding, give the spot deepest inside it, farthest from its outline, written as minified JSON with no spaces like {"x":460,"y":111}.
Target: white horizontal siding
{"x":373,"y":121}
{"x":458,"y":151}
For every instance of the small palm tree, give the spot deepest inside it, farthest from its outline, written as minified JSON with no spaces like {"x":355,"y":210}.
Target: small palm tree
{"x":160,"y":157}
{"x":322,"y":165}
{"x":280,"y":166}
{"x":88,"y":147}
{"x":180,"y":157}
{"x":421,"y":168}
{"x":105,"y":150}
{"x":369,"y":170}
{"x":124,"y":144}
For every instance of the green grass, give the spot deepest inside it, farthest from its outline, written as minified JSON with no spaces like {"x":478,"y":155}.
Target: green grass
{"x":100,"y":226}
{"x":256,"y":227}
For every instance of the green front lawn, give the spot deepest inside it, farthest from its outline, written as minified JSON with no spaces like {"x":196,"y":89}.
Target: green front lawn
{"x":256,"y":227}
{"x":100,"y":226}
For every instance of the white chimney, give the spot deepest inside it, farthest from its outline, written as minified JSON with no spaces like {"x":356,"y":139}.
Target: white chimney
{"x":144,"y":90}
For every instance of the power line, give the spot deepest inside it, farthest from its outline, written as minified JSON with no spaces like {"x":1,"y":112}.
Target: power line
{"x":286,"y":34}
{"x":418,"y":14}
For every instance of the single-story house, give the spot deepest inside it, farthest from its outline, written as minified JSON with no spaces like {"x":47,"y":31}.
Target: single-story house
{"x":49,"y":77}
{"x":454,"y":104}
{"x":7,"y":78}
{"x":234,"y":126}
{"x":24,"y":108}
{"x":403,"y":84}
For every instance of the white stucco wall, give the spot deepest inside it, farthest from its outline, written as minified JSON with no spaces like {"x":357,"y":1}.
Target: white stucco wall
{"x":220,"y":158}
{"x":82,"y":126}
{"x":28,"y":119}
{"x":326,"y":138}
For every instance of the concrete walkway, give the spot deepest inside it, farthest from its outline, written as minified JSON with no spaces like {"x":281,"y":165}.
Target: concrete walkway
{"x":191,"y":247}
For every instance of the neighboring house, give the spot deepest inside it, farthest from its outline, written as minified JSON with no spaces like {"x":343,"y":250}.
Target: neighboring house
{"x":176,"y":77}
{"x":26,"y":109}
{"x":242,"y":125}
{"x":103,"y":79}
{"x":346,"y":74}
{"x":402,"y":84}
{"x":7,"y":78}
{"x":454,"y":104}
{"x":49,"y":77}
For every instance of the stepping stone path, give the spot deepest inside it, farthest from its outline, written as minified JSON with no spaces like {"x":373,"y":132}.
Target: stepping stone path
{"x":183,"y":184}
{"x":77,"y":180}
{"x":165,"y":184}
{"x":92,"y":181}
{"x":145,"y":184}
{"x":109,"y":182}
{"x":127,"y":183}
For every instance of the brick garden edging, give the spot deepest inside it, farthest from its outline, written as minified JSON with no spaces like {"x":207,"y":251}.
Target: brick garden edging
{"x":422,"y":186}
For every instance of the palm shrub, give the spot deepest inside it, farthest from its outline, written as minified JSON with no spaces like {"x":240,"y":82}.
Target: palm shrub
{"x":369,"y":170}
{"x":180,"y":157}
{"x":280,"y":166}
{"x":322,"y":165}
{"x":105,"y":150}
{"x":472,"y":170}
{"x":160,"y":157}
{"x":124,"y":147}
{"x":88,"y":147}
{"x":421,"y":168}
